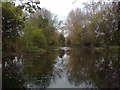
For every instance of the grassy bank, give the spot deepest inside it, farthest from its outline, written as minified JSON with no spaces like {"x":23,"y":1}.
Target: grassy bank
{"x":111,"y":49}
{"x":33,"y":51}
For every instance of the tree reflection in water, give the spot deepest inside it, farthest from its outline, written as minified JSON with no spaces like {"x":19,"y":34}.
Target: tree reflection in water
{"x":81,"y":61}
{"x":40,"y":71}
{"x":78,"y":67}
{"x":106,"y":72}
{"x":37,"y":71}
{"x":94,"y":69}
{"x":12,"y":73}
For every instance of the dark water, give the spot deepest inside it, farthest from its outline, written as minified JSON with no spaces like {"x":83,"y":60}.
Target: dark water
{"x":64,"y":68}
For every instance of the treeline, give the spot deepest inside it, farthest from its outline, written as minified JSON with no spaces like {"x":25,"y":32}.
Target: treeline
{"x":40,"y":31}
{"x":28,"y":28}
{"x":96,"y":25}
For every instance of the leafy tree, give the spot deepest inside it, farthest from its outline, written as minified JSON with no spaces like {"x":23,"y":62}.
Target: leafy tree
{"x":97,"y":24}
{"x":12,"y":24}
{"x":47,"y":24}
{"x":39,"y":40}
{"x":62,"y":40}
{"x":68,"y":43}
{"x":47,"y":35}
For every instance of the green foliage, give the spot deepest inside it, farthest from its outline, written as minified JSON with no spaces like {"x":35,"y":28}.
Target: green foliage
{"x":51,"y":35}
{"x":27,"y":30}
{"x":38,"y":38}
{"x":62,"y":40}
{"x":12,"y":23}
{"x":33,"y":38}
{"x":45,"y":22}
{"x":95,"y":27}
{"x":47,"y":26}
{"x":68,"y":42}
{"x":39,"y":33}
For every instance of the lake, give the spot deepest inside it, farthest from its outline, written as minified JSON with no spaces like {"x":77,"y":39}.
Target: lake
{"x":63,"y":68}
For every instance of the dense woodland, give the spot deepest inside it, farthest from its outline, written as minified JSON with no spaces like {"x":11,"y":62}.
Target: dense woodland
{"x":39,"y":50}
{"x":96,"y":25}
{"x":28,"y":28}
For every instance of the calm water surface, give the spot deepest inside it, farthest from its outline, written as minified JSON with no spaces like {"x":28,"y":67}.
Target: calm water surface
{"x":64,"y":68}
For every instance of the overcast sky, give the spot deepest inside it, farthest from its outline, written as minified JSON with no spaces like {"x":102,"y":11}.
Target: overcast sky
{"x":62,"y":7}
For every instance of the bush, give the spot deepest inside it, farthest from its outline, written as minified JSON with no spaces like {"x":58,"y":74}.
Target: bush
{"x":38,"y":38}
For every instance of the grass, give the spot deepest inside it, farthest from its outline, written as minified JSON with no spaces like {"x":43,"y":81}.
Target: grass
{"x":36,"y":51}
{"x":114,"y":47}
{"x":111,"y":49}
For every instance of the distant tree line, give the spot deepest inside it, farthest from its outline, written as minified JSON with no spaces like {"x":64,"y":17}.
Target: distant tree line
{"x":27,"y":27}
{"x":96,"y":25}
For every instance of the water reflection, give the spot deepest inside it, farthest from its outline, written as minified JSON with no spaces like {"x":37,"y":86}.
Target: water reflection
{"x":106,"y":71}
{"x":61,"y":53}
{"x":39,"y":71}
{"x":94,"y":69}
{"x":12,"y":73}
{"x":79,"y":66}
{"x":65,"y":68}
